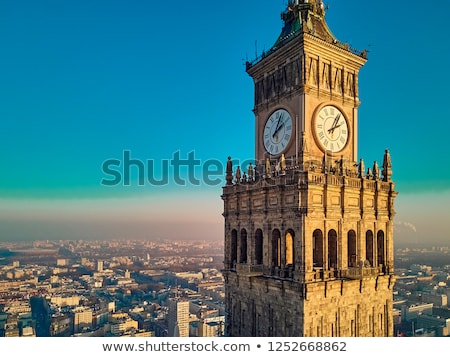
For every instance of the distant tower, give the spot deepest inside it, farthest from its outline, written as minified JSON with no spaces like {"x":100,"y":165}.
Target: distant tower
{"x":99,"y":265}
{"x":309,"y":246}
{"x":82,"y":318}
{"x":178,"y":318}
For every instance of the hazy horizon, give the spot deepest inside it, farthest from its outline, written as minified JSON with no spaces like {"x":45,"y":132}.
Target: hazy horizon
{"x":85,"y":83}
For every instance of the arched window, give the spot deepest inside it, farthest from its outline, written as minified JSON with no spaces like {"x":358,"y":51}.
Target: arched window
{"x":380,"y":248}
{"x":290,"y":247}
{"x":243,"y":241}
{"x":234,"y":247}
{"x":351,"y":248}
{"x":318,"y":248}
{"x":332,"y":249}
{"x":276,"y":248}
{"x":258,"y":246}
{"x":369,"y":247}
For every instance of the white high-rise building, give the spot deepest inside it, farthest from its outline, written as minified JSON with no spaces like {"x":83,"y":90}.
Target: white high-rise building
{"x":178,"y":318}
{"x":99,"y":265}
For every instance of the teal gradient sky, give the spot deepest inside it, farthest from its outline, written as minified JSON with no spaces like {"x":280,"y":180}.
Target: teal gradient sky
{"x":84,"y":81}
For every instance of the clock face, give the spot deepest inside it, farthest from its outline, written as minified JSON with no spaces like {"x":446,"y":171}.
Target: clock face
{"x":277,"y":132}
{"x":331,"y":129}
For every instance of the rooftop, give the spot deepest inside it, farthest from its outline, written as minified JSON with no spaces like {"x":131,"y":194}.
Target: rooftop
{"x":305,"y":17}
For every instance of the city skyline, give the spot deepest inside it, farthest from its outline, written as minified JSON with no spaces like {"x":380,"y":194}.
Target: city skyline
{"x":83,"y":84}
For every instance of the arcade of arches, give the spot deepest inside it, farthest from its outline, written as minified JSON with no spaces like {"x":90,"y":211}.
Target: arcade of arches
{"x":325,"y":249}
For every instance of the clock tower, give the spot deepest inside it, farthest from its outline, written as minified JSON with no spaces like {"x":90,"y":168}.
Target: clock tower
{"x":312,"y":81}
{"x":308,"y":230}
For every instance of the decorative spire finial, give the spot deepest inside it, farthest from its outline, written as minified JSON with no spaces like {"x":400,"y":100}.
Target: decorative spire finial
{"x":341,"y":165}
{"x":251,"y":172}
{"x":238,"y":174}
{"x":387,"y":166}
{"x":361,"y":168}
{"x":268,"y":169}
{"x":283,"y":164}
{"x":375,"y":171}
{"x":229,"y":172}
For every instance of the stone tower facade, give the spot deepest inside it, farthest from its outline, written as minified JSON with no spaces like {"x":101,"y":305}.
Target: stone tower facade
{"x":308,"y":229}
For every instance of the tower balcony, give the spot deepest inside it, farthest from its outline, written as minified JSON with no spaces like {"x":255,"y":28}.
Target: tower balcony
{"x":362,"y":272}
{"x":352,"y":273}
{"x":249,"y":270}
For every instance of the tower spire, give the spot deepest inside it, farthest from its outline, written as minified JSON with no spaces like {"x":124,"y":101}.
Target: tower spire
{"x":304,"y":16}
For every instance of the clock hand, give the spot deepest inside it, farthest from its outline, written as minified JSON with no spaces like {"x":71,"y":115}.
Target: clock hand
{"x":277,"y":129}
{"x":334,"y":125}
{"x":336,"y":119}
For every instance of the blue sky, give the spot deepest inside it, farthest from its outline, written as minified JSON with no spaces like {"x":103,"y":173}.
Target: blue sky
{"x":85,"y":81}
